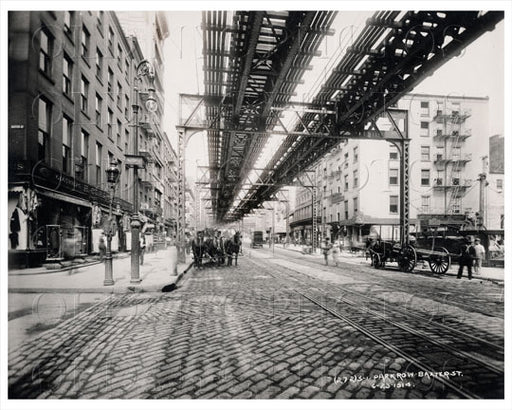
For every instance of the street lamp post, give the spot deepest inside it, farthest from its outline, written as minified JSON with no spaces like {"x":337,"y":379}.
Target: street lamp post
{"x":112,"y":178}
{"x":144,"y":69}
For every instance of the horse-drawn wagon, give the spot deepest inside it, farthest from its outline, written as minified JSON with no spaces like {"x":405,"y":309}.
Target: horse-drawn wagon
{"x":437,"y":243}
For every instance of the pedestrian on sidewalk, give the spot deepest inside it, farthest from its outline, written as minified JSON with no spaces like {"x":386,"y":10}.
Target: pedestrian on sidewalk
{"x":479,"y":256}
{"x":325,"y":249}
{"x":102,"y":248}
{"x":466,"y":258}
{"x":335,"y":252}
{"x":142,"y":247}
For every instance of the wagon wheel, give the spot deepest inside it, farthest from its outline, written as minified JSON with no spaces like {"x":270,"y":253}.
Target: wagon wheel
{"x":440,"y":262}
{"x":407,"y":258}
{"x":377,"y":261}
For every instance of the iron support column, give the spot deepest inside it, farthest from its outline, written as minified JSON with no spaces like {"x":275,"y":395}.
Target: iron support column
{"x":404,"y":192}
{"x":314,"y":222}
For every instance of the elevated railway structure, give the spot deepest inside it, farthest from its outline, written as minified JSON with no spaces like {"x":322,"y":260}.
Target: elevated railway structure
{"x":253,"y":64}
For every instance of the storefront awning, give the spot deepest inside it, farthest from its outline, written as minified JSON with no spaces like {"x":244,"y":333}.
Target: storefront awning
{"x":62,"y":197}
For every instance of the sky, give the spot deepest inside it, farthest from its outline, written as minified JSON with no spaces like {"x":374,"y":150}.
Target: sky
{"x":477,"y":71}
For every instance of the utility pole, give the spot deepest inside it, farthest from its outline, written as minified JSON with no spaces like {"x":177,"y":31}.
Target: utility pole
{"x":482,"y":177}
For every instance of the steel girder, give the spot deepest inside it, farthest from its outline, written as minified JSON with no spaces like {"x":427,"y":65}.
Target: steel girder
{"x":413,"y":46}
{"x":269,"y":53}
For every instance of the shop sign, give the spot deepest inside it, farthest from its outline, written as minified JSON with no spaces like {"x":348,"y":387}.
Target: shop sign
{"x":53,"y":179}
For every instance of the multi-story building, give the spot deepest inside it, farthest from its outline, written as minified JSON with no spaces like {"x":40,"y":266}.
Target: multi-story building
{"x":170,"y":187}
{"x":493,"y":195}
{"x":70,"y":82}
{"x":149,"y":30}
{"x":357,"y":184}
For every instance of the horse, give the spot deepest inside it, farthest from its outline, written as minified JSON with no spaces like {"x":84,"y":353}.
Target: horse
{"x":233,"y":246}
{"x":198,"y":249}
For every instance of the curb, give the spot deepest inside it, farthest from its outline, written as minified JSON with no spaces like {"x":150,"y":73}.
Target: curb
{"x":66,"y":268}
{"x":139,"y":288}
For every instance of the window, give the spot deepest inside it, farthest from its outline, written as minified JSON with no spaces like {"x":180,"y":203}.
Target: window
{"x":84,"y":146}
{"x":356,"y":202}
{"x":110,"y":82}
{"x":119,"y":126}
{"x":356,"y":154}
{"x":126,"y":105}
{"x":101,"y":19}
{"x":393,"y":204}
{"x":346,"y":182}
{"x":346,"y":209}
{"x":456,"y":205}
{"x":456,"y":153}
{"x":425,"y":177}
{"x":356,"y":179}
{"x":84,"y":95}
{"x":68,"y":22}
{"x":499,"y":184}
{"x":119,"y":55}
{"x":85,"y":41}
{"x":425,"y":204}
{"x":45,"y":53}
{"x":110,"y":121}
{"x":393,"y":152}
{"x":67,"y":131}
{"x":98,"y":163}
{"x":99,"y":64}
{"x":111,"y":40}
{"x":127,"y":66}
{"x":67,"y":74}
{"x":424,"y":104}
{"x":44,"y":129}
{"x":118,"y":95}
{"x":126,"y":139}
{"x":393,"y":176}
{"x":425,"y":153}
{"x":424,"y":129}
{"x":99,"y":106}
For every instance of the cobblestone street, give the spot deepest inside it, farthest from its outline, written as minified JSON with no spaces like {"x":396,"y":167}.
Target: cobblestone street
{"x":276,"y":326}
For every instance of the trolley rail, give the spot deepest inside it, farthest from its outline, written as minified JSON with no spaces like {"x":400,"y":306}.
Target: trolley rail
{"x":434,"y":294}
{"x":416,"y":345}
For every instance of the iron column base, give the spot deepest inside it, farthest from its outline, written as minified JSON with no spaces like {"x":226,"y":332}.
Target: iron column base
{"x":109,"y":279}
{"x":135,"y":252}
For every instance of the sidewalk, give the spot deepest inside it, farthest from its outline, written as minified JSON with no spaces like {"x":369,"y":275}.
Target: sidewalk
{"x":487,"y":273}
{"x":156,"y":273}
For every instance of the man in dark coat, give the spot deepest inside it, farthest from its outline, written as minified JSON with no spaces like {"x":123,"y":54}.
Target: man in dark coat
{"x":467,"y":255}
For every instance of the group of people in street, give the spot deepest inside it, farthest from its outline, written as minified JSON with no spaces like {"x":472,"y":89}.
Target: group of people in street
{"x":333,"y":248}
{"x":471,"y":256}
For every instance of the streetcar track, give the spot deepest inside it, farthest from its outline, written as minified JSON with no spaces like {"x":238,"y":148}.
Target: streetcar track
{"x":399,"y":351}
{"x":422,"y":334}
{"x":497,"y":348}
{"x":459,"y":304}
{"x":417,"y":363}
